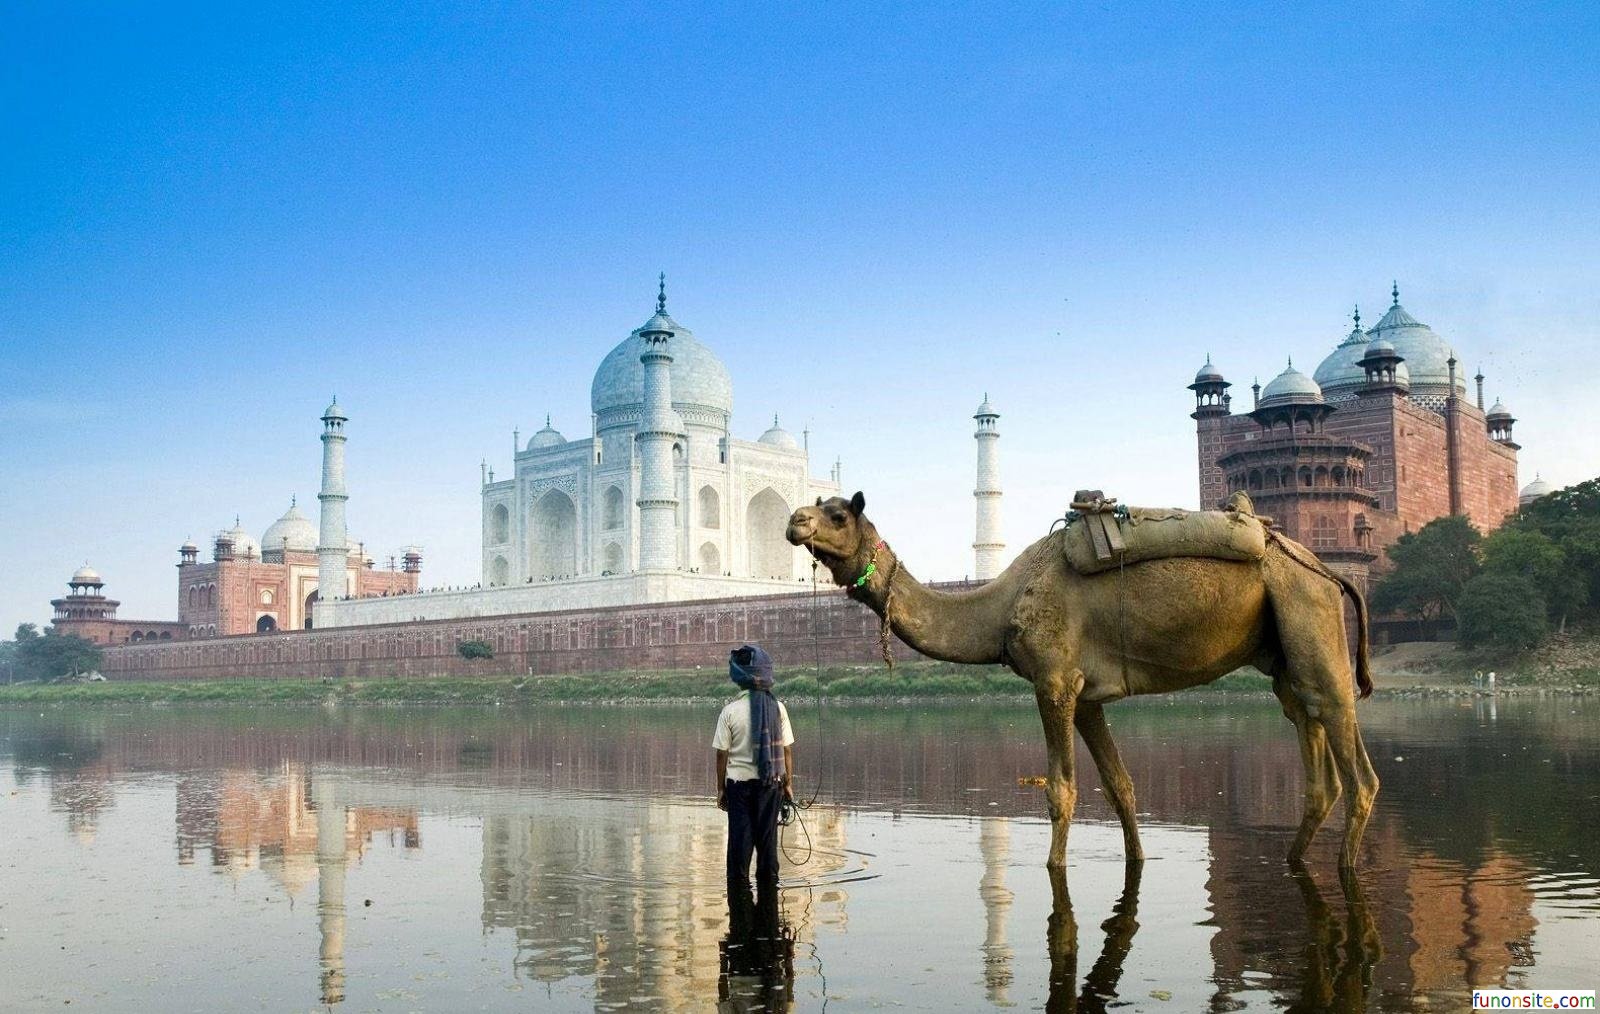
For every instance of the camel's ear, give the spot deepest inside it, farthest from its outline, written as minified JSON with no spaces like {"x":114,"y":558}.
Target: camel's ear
{"x":819,"y":501}
{"x":858,"y":503}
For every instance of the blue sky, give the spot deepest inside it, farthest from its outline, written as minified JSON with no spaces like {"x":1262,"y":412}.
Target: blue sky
{"x":212,"y":219}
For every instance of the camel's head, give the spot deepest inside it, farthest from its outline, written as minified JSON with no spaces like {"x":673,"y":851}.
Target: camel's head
{"x":836,"y":533}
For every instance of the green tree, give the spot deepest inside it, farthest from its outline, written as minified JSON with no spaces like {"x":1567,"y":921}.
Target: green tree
{"x":1432,"y":566}
{"x":47,"y":656}
{"x":1531,"y":554}
{"x":475,"y":649}
{"x":1570,"y":518}
{"x":1499,"y":610}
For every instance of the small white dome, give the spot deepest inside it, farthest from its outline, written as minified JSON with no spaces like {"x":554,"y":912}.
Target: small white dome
{"x":86,"y":575}
{"x":1291,"y":387}
{"x":547,"y":437}
{"x":1535,"y":489}
{"x":299,"y":531}
{"x":1499,"y":411}
{"x":243,"y":543}
{"x":1207,"y":374}
{"x":777,"y":436}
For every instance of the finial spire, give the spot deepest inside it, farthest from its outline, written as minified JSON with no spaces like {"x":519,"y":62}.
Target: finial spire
{"x":774,"y":420}
{"x":1358,"y":316}
{"x":1291,"y":362}
{"x":293,"y":500}
{"x":661,"y":295}
{"x":547,"y":420}
{"x":1394,"y":291}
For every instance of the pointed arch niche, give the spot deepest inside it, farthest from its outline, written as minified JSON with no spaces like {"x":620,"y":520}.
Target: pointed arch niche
{"x":766,"y":519}
{"x":553,"y":536}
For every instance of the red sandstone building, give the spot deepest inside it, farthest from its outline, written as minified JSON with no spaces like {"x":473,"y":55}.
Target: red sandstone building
{"x":1382,"y":440}
{"x":244,"y":589}
{"x":87,"y":613}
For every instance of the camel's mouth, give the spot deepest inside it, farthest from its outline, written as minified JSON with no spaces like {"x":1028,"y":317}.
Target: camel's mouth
{"x":802,"y":531}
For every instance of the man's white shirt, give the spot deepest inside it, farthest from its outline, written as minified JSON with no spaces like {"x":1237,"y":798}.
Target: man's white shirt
{"x":733,"y":735}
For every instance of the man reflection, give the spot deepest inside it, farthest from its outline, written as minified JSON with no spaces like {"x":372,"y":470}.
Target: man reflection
{"x":757,"y":955}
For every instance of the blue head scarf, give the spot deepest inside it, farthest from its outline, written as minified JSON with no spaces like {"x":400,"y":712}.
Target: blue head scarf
{"x":751,"y":668}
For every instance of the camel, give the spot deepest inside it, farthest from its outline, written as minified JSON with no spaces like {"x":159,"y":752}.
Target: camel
{"x":1152,"y":627}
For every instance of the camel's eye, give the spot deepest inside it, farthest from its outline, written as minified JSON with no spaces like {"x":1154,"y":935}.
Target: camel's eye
{"x":837,"y":517}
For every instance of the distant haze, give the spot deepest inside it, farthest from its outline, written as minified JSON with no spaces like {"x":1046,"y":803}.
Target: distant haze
{"x":212,"y":224}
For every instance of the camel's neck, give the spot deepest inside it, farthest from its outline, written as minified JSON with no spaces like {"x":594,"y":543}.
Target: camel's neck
{"x":953,"y":626}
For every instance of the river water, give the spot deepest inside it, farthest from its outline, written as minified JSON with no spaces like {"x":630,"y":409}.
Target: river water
{"x":571,"y":859}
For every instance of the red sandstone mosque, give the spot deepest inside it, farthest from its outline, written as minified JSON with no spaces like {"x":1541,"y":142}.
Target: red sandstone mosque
{"x":1378,"y":442}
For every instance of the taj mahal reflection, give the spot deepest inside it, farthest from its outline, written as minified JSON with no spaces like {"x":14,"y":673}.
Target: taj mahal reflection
{"x":617,"y":901}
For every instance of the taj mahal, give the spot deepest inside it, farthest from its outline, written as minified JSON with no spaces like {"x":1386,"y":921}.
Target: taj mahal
{"x":659,"y":503}
{"x":660,"y":485}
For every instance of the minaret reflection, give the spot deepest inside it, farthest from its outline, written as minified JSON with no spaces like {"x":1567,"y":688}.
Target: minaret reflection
{"x":994,"y":842}
{"x":331,"y":866}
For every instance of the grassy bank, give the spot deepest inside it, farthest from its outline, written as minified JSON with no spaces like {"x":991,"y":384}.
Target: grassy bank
{"x":930,"y":681}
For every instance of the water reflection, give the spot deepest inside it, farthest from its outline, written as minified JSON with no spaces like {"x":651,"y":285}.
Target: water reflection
{"x":594,"y":872}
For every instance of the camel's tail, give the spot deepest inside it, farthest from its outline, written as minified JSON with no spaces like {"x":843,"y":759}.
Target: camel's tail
{"x":1363,"y":668}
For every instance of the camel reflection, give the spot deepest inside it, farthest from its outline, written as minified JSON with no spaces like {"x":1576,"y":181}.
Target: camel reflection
{"x":757,"y":955}
{"x":1339,"y":952}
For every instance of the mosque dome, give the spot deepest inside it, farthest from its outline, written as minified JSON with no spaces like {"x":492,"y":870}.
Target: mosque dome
{"x":294,"y":530}
{"x":547,"y":437}
{"x":1207,"y":374}
{"x":987,"y":409}
{"x":333,"y":411}
{"x":699,"y":379}
{"x":88,"y":575}
{"x":1291,"y":387}
{"x":243,"y":544}
{"x":777,"y":436}
{"x":188,"y":547}
{"x":1340,"y":375}
{"x":1535,"y":489}
{"x":1427,"y":354}
{"x":1499,"y":411}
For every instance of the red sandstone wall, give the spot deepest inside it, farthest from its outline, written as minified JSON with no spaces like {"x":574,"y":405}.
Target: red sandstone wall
{"x":666,"y":636}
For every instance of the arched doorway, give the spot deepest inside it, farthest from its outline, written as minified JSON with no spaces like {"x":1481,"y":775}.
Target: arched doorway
{"x":499,"y":525}
{"x":266,"y":625}
{"x":612,"y":512}
{"x":310,"y":600}
{"x":765,"y":521}
{"x":710,"y":559}
{"x":613,"y":563}
{"x":499,"y":571}
{"x":710,"y":508}
{"x":553,"y":537}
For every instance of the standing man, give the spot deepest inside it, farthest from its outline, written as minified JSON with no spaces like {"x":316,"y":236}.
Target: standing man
{"x":755,"y":769}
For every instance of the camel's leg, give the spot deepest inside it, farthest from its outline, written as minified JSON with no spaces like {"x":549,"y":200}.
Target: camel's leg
{"x":1322,"y":783}
{"x":1091,"y":722}
{"x":1057,"y":696}
{"x":1061,"y":940}
{"x":1338,"y":718}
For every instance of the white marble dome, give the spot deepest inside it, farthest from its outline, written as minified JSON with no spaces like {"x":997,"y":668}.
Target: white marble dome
{"x":777,"y":436}
{"x":299,"y":531}
{"x":1338,"y":375}
{"x":86,"y":575}
{"x":1426,"y":354}
{"x":1534,"y":490}
{"x":547,"y":437}
{"x":243,"y":543}
{"x":1291,"y":387}
{"x":699,"y":379}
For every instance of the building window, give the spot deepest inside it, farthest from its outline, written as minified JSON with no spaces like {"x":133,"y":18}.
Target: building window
{"x":1324,"y":532}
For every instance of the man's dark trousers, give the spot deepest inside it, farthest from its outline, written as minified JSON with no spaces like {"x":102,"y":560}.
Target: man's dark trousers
{"x":752,"y":827}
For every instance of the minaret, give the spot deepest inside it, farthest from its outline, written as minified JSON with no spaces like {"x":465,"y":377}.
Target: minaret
{"x":658,"y":500}
{"x":990,"y":544}
{"x":333,"y":544}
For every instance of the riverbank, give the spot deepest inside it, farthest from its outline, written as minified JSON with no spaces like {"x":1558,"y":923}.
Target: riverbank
{"x":1434,"y":669}
{"x":920,"y":681}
